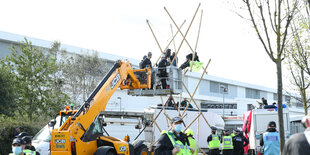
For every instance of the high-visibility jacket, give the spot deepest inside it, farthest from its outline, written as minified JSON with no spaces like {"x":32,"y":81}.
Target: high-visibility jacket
{"x":215,"y":142}
{"x":227,"y":143}
{"x":193,"y":144}
{"x":29,"y":152}
{"x":183,"y":149}
{"x":271,"y":143}
{"x":26,"y":152}
{"x":232,"y":135}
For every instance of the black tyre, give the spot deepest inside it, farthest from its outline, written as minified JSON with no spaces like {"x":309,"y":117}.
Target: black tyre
{"x":251,"y":152}
{"x":142,"y":150}
{"x":105,"y":150}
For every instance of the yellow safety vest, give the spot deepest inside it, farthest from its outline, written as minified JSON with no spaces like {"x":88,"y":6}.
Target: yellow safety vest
{"x":183,"y":149}
{"x":29,"y":152}
{"x":227,"y":143}
{"x":193,"y":144}
{"x":215,"y":142}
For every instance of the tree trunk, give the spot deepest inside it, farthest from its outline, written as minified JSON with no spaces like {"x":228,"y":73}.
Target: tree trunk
{"x":304,"y":100}
{"x":280,"y":108}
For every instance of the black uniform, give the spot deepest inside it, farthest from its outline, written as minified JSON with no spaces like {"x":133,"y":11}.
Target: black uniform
{"x":297,"y":145}
{"x":146,"y":62}
{"x":162,"y":72}
{"x":164,"y":145}
{"x":239,"y":142}
{"x":188,"y":59}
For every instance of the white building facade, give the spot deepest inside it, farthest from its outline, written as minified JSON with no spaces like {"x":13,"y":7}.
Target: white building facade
{"x":213,"y":93}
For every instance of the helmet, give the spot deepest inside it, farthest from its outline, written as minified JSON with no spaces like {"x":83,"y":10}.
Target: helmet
{"x":18,"y":141}
{"x":176,"y":119}
{"x":22,"y":134}
{"x":213,"y":128}
{"x":189,"y":132}
{"x":236,"y":130}
{"x":27,"y":139}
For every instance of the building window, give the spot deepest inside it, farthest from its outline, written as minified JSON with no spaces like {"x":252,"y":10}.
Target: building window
{"x":250,"y":107}
{"x":218,"y":105}
{"x":275,"y":96}
{"x":252,"y":93}
{"x":287,"y":99}
{"x":216,"y":87}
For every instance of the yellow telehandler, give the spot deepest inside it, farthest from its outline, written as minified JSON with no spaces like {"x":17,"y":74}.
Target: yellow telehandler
{"x":83,"y":133}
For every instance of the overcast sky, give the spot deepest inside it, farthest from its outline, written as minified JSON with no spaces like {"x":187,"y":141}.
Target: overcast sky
{"x":119,"y":27}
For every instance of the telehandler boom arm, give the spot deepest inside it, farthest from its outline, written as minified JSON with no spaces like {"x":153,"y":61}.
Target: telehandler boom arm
{"x":74,"y":129}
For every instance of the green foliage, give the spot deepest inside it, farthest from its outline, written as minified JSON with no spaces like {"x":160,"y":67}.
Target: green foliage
{"x":7,"y":93}
{"x":82,"y":74}
{"x":7,"y":129}
{"x":37,"y":90}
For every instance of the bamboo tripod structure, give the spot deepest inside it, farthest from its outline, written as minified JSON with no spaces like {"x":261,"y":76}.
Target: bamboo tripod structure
{"x":183,"y":114}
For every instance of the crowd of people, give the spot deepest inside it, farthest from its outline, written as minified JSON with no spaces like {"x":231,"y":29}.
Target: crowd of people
{"x":166,"y":59}
{"x":176,"y":142}
{"x":22,"y":144}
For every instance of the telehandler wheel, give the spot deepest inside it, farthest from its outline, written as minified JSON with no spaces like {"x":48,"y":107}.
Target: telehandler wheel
{"x":105,"y":150}
{"x":142,"y":150}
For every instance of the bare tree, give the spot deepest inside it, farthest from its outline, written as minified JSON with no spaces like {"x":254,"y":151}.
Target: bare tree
{"x":271,"y":20}
{"x":298,"y":55}
{"x":82,"y":73}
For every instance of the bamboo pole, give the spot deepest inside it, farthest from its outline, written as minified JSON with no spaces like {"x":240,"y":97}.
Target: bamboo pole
{"x":156,"y":125}
{"x":194,"y":54}
{"x":180,"y":98}
{"x":147,"y":21}
{"x":196,"y":104}
{"x":175,"y":49}
{"x":184,"y":36}
{"x":204,"y":71}
{"x":167,"y":117}
{"x":193,"y":121}
{"x":160,"y":111}
{"x":198,"y":31}
{"x":162,"y":51}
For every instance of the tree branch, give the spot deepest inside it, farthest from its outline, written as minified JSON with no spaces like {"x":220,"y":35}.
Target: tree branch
{"x":256,"y":29}
{"x":265,"y":28}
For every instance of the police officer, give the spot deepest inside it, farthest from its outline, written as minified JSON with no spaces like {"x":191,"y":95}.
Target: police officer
{"x":29,"y":149}
{"x":213,"y":142}
{"x":174,"y":142}
{"x":227,"y":143}
{"x":17,"y":147}
{"x":239,"y":141}
{"x":192,"y":141}
{"x":270,"y":140}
